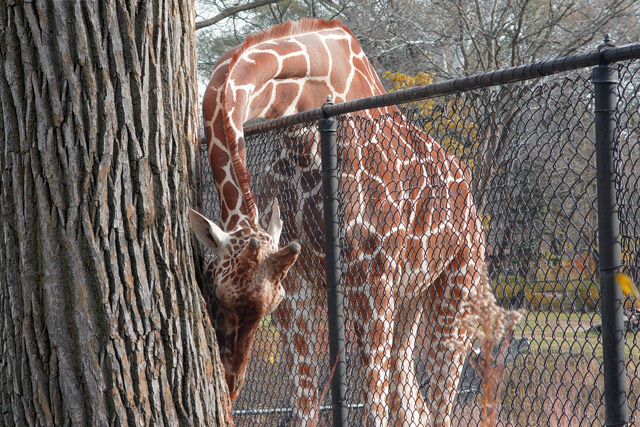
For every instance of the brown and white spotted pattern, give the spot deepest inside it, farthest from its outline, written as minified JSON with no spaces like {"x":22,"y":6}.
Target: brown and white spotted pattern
{"x":415,"y":242}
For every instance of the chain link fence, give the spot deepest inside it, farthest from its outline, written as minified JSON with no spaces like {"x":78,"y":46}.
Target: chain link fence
{"x":529,"y":149}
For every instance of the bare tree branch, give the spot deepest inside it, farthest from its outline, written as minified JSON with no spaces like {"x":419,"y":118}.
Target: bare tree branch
{"x":232,"y":11}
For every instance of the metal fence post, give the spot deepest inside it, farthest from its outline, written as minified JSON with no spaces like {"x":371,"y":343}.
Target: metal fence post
{"x":613,"y":334}
{"x":335,"y":296}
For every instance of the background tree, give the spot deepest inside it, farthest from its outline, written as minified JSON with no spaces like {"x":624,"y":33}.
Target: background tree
{"x":244,"y":17}
{"x":452,"y":38}
{"x":102,"y":321}
{"x":225,"y":11}
{"x":447,"y":38}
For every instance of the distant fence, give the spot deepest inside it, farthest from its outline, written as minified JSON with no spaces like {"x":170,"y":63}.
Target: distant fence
{"x":555,"y":165}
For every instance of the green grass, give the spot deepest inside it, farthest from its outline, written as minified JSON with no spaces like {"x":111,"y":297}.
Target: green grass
{"x":559,"y":381}
{"x":568,"y":333}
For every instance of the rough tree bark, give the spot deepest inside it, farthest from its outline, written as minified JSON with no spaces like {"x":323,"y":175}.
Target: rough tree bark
{"x":101,"y":320}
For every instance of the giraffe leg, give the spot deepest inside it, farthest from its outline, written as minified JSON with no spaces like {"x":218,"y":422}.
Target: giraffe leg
{"x":373,"y":313}
{"x":444,"y":306}
{"x":302,"y":326}
{"x":406,"y":405}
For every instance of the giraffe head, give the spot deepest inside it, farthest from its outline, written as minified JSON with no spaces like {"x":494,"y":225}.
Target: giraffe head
{"x":242,"y":284}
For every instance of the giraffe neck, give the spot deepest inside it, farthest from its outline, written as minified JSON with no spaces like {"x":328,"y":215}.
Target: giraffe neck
{"x":229,"y":170}
{"x":281,"y":71}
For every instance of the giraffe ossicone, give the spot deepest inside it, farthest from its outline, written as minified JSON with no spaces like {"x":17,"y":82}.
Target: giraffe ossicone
{"x":211,"y":236}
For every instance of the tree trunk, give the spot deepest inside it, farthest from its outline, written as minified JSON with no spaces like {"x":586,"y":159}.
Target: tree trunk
{"x":101,"y":320}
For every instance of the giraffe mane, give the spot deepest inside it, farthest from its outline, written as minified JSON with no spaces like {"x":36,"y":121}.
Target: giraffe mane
{"x":289,"y":28}
{"x":286,"y":29}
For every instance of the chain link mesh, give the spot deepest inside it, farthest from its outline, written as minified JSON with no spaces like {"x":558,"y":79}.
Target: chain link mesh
{"x":529,"y":148}
{"x":628,"y":196}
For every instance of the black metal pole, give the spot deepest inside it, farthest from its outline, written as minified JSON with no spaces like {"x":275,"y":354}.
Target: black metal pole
{"x":335,"y":296}
{"x":605,"y":83}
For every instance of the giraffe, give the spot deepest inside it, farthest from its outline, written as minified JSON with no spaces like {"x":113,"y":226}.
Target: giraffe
{"x":243,"y":281}
{"x":425,"y":257}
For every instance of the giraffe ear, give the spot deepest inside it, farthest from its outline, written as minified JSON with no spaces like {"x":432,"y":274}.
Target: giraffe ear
{"x":208,"y":233}
{"x":275,"y":226}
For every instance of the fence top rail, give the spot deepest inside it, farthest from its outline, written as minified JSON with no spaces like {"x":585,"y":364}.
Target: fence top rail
{"x":603,"y":55}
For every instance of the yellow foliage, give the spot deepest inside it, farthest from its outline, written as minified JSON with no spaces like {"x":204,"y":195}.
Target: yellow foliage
{"x":450,"y":121}
{"x":626,"y":285}
{"x":406,"y":81}
{"x":486,"y":221}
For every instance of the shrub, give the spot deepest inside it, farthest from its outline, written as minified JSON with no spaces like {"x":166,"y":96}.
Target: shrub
{"x":510,"y":290}
{"x":586,"y":296}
